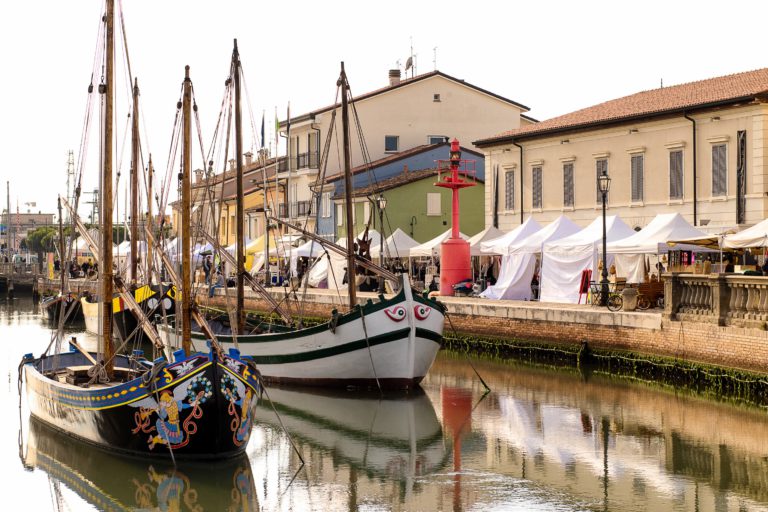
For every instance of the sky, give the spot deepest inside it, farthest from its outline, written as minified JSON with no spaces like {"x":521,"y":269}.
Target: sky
{"x":552,"y":56}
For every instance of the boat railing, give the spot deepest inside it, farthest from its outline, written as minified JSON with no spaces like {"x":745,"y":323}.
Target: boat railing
{"x":721,"y":299}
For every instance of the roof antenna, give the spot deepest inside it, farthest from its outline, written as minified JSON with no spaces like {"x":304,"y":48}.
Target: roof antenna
{"x":662,"y":83}
{"x":434,"y":57}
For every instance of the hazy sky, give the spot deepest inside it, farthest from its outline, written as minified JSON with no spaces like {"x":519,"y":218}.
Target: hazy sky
{"x":553,"y":56}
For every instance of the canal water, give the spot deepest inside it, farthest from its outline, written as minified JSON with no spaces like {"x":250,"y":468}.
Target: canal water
{"x":542,"y":439}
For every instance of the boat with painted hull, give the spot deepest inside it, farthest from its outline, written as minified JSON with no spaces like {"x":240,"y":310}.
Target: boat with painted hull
{"x":154,"y":300}
{"x":68,"y":303}
{"x":393,"y":341}
{"x":201,"y":406}
{"x":136,"y":484}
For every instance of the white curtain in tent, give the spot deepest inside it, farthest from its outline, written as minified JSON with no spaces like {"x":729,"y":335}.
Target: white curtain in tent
{"x":396,"y":245}
{"x":631,"y":266}
{"x":756,"y":236}
{"x":432,"y":247}
{"x":500,"y":244}
{"x":564,"y":260}
{"x":318,"y":272}
{"x":514,"y":280}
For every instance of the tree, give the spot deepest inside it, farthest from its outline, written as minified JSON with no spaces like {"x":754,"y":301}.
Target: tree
{"x":41,"y":240}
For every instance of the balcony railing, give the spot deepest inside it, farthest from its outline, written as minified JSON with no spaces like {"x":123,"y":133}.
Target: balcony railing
{"x":298,"y":209}
{"x":308,"y":160}
{"x":720,"y":299}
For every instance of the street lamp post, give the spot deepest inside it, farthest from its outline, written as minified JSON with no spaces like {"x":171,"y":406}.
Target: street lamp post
{"x":382,"y":203}
{"x":604,"y":184}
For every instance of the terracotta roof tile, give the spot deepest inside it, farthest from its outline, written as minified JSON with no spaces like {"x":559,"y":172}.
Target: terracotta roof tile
{"x":713,"y":91}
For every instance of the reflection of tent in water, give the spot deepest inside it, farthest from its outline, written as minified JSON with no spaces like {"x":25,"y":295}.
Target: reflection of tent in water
{"x":109,"y":482}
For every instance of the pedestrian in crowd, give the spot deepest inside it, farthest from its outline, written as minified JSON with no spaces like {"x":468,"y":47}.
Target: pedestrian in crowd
{"x":218,"y":283}
{"x":207,"y":269}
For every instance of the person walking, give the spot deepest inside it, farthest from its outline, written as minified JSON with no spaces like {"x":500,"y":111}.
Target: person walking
{"x":207,"y":269}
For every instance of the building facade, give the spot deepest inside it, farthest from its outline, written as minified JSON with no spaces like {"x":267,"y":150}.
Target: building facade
{"x":696,"y":148}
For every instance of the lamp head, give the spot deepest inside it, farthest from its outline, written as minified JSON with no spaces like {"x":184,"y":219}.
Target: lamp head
{"x":604,"y":181}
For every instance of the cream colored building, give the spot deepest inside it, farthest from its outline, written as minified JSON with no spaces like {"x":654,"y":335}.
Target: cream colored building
{"x":425,"y":109}
{"x":698,"y":149}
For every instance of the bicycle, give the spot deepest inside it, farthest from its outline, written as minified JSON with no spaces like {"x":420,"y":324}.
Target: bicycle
{"x":614,"y":302}
{"x":643,"y":302}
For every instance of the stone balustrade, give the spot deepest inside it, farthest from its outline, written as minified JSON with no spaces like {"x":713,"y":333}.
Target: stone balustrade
{"x":722,"y":299}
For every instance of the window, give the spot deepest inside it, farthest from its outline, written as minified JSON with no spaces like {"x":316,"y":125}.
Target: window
{"x":433,"y":203}
{"x":436,"y":97}
{"x":675,"y":174}
{"x":326,"y":205}
{"x":719,"y":171}
{"x":536,"y":180}
{"x":339,"y":215}
{"x":636,"y":176}
{"x":601,"y":166}
{"x":436,"y":139}
{"x":568,"y":185}
{"x":509,"y":190}
{"x":391,"y":143}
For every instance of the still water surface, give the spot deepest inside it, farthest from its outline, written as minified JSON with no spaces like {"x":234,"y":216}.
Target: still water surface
{"x":542,"y":439}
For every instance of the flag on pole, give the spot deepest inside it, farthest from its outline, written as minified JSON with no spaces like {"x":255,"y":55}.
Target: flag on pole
{"x":263,"y":140}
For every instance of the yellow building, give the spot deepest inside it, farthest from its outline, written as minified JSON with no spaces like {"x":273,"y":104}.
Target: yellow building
{"x":696,"y":148}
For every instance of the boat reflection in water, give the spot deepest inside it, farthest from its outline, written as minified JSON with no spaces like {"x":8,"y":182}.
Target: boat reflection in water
{"x":361,"y":443}
{"x":112,"y":482}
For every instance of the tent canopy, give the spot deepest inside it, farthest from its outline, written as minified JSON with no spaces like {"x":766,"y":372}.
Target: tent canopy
{"x":432,"y":247}
{"x":653,"y":238}
{"x":555,"y":230}
{"x":592,"y":235}
{"x":499,"y":245}
{"x":756,"y":236}
{"x":396,"y":245}
{"x":486,"y":235}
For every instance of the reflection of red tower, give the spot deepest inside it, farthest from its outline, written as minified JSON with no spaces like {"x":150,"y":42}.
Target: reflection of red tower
{"x":457,"y":418}
{"x":454,"y":251}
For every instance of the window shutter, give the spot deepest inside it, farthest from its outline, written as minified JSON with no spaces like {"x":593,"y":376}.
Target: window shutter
{"x":537,"y":192}
{"x":568,"y":185}
{"x":433,"y":203}
{"x":637,"y":178}
{"x":676,"y":175}
{"x":719,"y":174}
{"x":600,"y":167}
{"x":509,"y":190}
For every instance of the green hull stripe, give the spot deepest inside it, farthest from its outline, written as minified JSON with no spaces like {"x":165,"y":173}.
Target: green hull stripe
{"x":341,"y":349}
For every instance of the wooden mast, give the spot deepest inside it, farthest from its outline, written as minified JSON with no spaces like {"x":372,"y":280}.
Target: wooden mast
{"x":106,"y":198}
{"x":351,"y":272}
{"x":61,"y":261}
{"x":150,"y":261}
{"x":186,"y":216}
{"x":135,"y":182}
{"x":240,"y":218}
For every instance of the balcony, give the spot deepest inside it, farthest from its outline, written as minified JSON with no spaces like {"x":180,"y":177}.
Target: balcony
{"x":298,"y":209}
{"x":308,"y":160}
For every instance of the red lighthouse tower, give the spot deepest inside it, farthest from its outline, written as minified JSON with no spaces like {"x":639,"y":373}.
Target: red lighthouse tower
{"x":455,"y":264}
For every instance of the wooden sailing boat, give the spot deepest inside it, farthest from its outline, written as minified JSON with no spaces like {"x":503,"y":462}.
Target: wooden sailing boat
{"x":201,"y":405}
{"x":391,"y":343}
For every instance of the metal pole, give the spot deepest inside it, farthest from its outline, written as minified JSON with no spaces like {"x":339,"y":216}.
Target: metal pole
{"x":381,"y":246}
{"x":604,"y":281}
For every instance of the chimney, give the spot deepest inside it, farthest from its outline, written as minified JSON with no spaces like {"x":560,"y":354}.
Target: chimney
{"x":198,"y":176}
{"x":248,"y":158}
{"x":394,"y":77}
{"x":405,"y":168}
{"x":231,"y":164}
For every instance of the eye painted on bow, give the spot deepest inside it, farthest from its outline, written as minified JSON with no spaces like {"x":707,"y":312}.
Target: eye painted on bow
{"x":396,"y":313}
{"x":421,"y":312}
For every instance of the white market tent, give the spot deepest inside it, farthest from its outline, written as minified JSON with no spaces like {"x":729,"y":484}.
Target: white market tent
{"x":519,"y":263}
{"x":756,"y":236}
{"x":486,"y":235}
{"x":564,"y":260}
{"x":631,"y":251}
{"x":499,"y":245}
{"x":396,"y":245}
{"x":432,"y":247}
